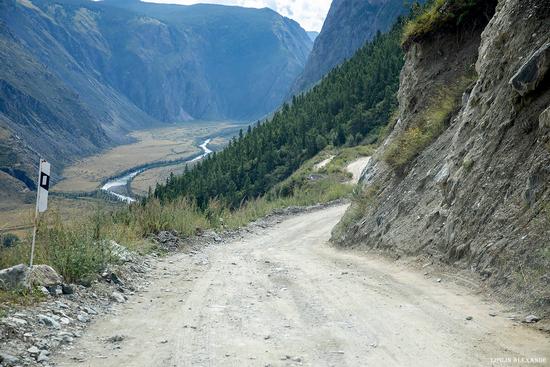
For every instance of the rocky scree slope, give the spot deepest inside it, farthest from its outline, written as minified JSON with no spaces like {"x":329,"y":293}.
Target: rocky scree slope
{"x":478,"y":195}
{"x":349,"y":24}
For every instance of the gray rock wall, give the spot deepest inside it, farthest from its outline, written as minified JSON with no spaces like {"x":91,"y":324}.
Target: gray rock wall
{"x":477,"y":197}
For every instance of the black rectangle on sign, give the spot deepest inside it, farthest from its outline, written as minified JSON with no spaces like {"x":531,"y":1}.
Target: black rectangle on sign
{"x":44,"y":181}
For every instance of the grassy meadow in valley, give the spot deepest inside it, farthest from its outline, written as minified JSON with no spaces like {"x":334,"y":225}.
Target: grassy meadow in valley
{"x":149,"y":178}
{"x":163,"y":144}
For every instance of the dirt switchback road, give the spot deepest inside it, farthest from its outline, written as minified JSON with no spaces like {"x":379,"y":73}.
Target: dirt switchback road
{"x":284,"y":297}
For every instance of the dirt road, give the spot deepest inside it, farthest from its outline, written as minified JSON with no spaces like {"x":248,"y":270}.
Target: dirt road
{"x":284,"y":297}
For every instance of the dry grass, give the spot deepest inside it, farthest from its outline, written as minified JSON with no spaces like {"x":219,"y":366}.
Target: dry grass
{"x":73,"y":248}
{"x":362,"y":199}
{"x":23,"y":297}
{"x":77,"y":248}
{"x":66,"y":208}
{"x":141,"y":183}
{"x":343,"y":157}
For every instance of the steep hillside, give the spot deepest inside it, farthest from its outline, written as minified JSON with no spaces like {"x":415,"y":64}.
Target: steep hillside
{"x":349,"y":24}
{"x":464,"y":177}
{"x":313,"y":35}
{"x":39,"y":116}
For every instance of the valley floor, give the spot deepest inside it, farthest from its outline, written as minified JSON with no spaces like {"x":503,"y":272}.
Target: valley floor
{"x":168,"y":143}
{"x":284,"y":297}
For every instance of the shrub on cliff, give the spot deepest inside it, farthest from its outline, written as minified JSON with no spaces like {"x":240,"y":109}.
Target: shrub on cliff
{"x":446,"y":15}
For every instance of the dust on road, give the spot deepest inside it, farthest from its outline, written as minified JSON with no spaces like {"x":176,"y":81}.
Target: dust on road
{"x":284,"y":297}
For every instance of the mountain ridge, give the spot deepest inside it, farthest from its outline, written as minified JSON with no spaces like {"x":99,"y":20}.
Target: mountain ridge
{"x":349,"y":24}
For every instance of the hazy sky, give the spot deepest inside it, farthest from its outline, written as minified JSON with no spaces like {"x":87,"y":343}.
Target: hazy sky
{"x":309,"y":13}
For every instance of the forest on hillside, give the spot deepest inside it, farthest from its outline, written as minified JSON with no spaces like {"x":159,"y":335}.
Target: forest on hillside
{"x":350,"y":104}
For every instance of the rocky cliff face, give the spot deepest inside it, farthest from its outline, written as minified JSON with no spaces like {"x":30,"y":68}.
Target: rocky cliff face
{"x":477,"y":196}
{"x":175,"y":63}
{"x":349,"y":24}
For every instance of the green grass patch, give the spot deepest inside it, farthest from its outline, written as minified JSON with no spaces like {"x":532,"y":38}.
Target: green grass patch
{"x":23,"y":297}
{"x":345,"y":156}
{"x":73,"y":248}
{"x":468,"y":164}
{"x":427,"y":126}
{"x":422,"y":132}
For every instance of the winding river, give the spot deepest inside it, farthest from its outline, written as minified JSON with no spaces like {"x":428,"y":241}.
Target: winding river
{"x":124,"y":180}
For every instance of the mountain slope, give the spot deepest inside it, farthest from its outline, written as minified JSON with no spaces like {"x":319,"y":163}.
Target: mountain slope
{"x":313,"y":35}
{"x":173,"y":62}
{"x":39,"y":116}
{"x":349,"y":24}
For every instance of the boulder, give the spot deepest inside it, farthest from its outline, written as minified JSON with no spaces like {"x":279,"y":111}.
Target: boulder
{"x":83,"y":318}
{"x":33,"y":350}
{"x":531,"y":319}
{"x":532,"y":72}
{"x":169,"y":241}
{"x":443,"y":175}
{"x":42,"y":357}
{"x":48,"y":321}
{"x":45,"y":276}
{"x":121,"y":253}
{"x":67,"y":289}
{"x":14,"y":278}
{"x":117,"y":297}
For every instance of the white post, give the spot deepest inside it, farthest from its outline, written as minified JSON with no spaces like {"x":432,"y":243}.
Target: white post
{"x":36,"y":214}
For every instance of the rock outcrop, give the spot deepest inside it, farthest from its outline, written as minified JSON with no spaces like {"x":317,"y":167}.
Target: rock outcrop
{"x":533,"y":72}
{"x":478,"y":195}
{"x":21,"y":276}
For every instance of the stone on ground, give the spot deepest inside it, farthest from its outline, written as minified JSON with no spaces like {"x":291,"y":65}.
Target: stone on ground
{"x":14,"y":278}
{"x":45,"y":276}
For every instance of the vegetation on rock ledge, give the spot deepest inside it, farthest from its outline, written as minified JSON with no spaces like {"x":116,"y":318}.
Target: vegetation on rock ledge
{"x":446,"y":15}
{"x":427,"y":126}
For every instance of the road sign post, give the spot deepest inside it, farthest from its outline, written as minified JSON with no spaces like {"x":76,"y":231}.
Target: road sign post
{"x":41,"y":199}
